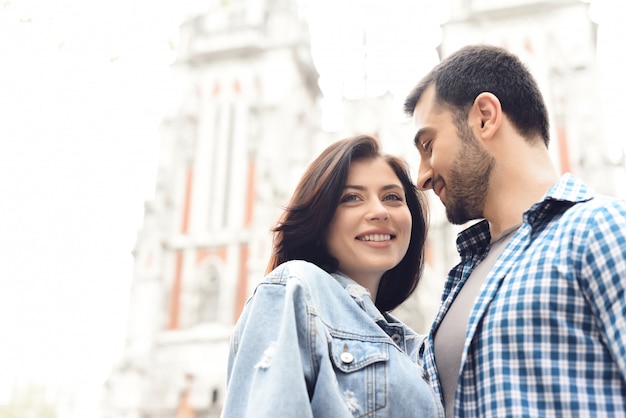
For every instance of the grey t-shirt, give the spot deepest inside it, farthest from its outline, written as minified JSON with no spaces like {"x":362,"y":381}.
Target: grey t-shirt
{"x":450,"y":336}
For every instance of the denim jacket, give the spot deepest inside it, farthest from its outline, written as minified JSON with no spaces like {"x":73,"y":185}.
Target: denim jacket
{"x":311,"y":344}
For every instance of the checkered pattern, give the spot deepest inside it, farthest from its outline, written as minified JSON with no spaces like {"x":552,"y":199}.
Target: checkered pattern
{"x":547,"y":334}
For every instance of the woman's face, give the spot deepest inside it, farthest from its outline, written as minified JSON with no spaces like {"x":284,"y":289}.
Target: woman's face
{"x":371,"y":229}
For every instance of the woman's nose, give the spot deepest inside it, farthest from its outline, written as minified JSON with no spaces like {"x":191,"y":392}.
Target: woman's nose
{"x":378,"y":210}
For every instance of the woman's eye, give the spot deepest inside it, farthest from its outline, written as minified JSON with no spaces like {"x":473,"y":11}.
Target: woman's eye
{"x":393,"y":196}
{"x":349,"y":198}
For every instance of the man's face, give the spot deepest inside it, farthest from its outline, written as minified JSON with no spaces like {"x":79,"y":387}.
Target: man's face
{"x":452,"y":162}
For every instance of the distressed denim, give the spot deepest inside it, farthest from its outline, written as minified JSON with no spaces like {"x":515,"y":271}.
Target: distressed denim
{"x":311,"y":344}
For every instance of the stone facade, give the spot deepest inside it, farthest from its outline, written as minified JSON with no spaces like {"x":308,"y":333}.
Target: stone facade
{"x":245,"y":126}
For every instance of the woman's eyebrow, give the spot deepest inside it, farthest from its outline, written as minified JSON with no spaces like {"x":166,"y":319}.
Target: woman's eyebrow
{"x":385,"y":187}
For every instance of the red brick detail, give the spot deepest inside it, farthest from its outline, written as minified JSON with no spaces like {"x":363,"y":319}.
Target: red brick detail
{"x":187,"y":202}
{"x":242,"y":282}
{"x":564,"y":161}
{"x":203,"y":253}
{"x":250,"y":192}
{"x":174,"y":312}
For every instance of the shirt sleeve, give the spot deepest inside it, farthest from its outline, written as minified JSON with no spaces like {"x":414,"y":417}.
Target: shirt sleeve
{"x":604,"y":277}
{"x":269,"y":365}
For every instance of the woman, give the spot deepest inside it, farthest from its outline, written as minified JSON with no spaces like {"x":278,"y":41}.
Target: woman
{"x":315,"y":339}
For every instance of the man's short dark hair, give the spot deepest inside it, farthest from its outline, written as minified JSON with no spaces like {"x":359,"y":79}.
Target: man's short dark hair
{"x":475,"y":69}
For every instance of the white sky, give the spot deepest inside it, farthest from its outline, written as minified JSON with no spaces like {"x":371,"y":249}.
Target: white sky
{"x":83,"y":88}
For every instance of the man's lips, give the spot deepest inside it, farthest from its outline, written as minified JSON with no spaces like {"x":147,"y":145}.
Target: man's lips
{"x":438,"y":187}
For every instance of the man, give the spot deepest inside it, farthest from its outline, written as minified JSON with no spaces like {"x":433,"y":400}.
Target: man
{"x":533,"y":318}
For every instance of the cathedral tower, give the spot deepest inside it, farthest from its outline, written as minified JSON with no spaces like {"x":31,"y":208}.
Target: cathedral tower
{"x":244,"y":128}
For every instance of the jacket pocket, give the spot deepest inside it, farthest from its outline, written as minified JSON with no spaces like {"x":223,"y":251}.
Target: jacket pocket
{"x":361,"y":371}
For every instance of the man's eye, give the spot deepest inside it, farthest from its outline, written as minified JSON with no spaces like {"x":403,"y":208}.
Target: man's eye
{"x":426,"y":145}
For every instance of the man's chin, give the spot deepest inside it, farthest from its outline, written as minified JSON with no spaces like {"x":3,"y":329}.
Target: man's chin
{"x":455,"y":221}
{"x":458,"y":217}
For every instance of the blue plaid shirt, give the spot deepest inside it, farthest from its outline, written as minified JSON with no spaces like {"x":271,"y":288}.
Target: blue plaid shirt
{"x":547,"y":334}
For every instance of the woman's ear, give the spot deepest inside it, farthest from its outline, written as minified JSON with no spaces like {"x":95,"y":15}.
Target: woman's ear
{"x":486,"y":115}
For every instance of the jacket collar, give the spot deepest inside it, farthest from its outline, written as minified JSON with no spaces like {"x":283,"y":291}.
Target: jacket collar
{"x":360,"y":294}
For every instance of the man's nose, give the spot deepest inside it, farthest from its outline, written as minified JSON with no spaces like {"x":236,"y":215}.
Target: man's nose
{"x":425,"y":177}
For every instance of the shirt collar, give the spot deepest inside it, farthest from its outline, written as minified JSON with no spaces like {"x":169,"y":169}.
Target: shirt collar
{"x":567,"y":191}
{"x":474,"y":239}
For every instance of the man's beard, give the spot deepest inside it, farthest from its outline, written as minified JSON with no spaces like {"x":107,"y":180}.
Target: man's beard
{"x":466,"y":188}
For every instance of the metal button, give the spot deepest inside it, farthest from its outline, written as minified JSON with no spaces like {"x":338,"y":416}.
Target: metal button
{"x":346,"y":356}
{"x":397,"y":338}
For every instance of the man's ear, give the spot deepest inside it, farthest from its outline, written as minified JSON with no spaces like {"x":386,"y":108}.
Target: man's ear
{"x":486,"y":115}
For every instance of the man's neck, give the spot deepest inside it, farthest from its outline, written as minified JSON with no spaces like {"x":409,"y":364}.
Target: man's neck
{"x":514,"y":190}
